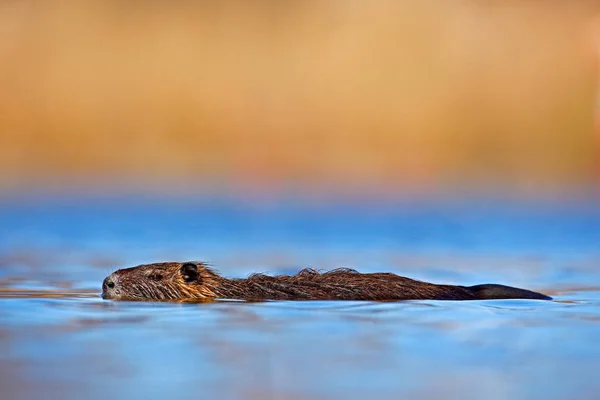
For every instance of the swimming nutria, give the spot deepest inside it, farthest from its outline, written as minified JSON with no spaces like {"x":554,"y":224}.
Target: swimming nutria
{"x":194,"y":281}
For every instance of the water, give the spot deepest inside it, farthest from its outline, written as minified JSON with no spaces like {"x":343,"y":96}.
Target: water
{"x":58,"y":338}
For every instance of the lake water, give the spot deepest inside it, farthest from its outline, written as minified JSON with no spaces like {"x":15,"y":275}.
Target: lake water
{"x":59,"y":339}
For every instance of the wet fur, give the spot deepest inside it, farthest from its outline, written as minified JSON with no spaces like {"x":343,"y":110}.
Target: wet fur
{"x":141,"y":283}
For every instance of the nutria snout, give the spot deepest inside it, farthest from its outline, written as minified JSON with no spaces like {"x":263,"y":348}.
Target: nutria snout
{"x":195,"y":281}
{"x":107,"y":284}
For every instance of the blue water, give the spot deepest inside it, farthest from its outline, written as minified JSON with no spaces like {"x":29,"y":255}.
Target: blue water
{"x":59,"y":339}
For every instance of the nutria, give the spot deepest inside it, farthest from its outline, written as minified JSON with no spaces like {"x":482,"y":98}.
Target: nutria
{"x":195,"y":281}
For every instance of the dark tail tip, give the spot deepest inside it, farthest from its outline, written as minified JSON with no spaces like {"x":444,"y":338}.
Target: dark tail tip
{"x":490,"y":291}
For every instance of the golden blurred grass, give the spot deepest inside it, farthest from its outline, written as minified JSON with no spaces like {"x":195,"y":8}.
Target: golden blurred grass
{"x":329,"y":94}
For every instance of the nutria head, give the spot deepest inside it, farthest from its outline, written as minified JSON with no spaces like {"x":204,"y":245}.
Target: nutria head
{"x":172,"y":281}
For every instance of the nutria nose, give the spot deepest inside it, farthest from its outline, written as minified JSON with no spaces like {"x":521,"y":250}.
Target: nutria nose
{"x":107,"y":284}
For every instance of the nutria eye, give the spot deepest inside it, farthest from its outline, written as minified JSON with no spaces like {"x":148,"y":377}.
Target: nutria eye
{"x":155,"y":276}
{"x":189,"y":272}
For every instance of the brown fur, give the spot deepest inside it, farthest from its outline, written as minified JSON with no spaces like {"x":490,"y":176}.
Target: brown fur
{"x":195,"y":281}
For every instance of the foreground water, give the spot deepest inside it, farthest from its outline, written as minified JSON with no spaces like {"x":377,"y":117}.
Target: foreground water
{"x":59,"y":339}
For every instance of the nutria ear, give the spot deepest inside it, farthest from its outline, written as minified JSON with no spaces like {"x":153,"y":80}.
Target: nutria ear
{"x":189,"y":272}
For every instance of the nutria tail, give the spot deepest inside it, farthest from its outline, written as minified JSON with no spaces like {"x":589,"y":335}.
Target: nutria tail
{"x":491,"y":291}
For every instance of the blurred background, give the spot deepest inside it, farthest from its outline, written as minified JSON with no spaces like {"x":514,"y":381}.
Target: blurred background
{"x":309,"y":98}
{"x":448,"y":141}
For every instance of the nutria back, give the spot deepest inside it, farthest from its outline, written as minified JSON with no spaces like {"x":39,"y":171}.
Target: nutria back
{"x":195,"y":281}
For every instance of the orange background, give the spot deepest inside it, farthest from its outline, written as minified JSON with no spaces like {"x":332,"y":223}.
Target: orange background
{"x":299,"y":95}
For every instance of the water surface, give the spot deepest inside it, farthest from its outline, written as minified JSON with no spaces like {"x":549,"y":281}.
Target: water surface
{"x":58,"y":338}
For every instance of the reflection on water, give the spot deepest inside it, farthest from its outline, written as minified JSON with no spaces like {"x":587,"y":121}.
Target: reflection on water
{"x":58,"y":338}
{"x":11,"y":293}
